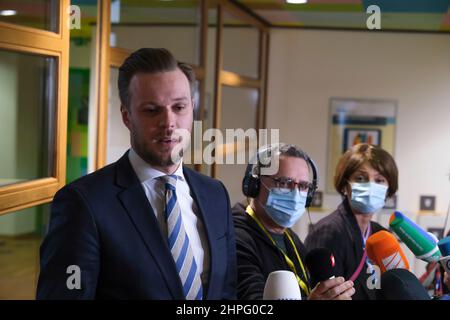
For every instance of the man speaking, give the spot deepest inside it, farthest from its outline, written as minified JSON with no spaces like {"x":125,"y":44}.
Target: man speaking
{"x":145,"y":227}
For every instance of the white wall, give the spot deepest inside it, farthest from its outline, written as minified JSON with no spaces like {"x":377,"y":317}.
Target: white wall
{"x":308,"y":67}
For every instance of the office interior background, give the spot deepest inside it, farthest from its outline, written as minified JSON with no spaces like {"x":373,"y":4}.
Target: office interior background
{"x":259,"y":64}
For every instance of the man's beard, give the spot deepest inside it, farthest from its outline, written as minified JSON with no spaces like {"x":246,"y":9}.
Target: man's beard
{"x":154,"y":158}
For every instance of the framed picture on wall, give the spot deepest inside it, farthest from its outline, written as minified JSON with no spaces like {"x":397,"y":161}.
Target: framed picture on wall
{"x":353,"y":121}
{"x":354,"y":136}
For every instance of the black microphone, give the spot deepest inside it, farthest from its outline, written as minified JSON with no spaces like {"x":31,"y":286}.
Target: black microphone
{"x":401,"y":284}
{"x":320,"y":263}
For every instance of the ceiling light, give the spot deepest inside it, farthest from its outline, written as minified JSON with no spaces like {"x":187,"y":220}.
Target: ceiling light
{"x":7,"y":13}
{"x":297,"y":1}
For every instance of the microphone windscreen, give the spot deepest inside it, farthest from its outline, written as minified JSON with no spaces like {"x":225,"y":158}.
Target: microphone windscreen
{"x":282,"y":285}
{"x":320,"y":263}
{"x":416,"y":239}
{"x":385,"y":251}
{"x":400,"y":284}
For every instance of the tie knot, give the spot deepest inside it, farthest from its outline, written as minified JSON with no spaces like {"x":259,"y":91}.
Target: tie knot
{"x":170,"y":181}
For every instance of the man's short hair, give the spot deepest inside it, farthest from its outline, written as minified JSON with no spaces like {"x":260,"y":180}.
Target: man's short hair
{"x":150,"y":60}
{"x":266,"y":153}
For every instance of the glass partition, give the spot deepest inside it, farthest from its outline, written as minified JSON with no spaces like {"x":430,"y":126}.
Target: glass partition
{"x":41,"y":14}
{"x":240,"y":47}
{"x":238,"y":112}
{"x":27,"y":116}
{"x":174,"y":25}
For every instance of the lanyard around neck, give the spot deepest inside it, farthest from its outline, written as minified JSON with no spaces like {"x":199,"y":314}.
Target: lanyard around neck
{"x":291,"y":264}
{"x":366,"y":235}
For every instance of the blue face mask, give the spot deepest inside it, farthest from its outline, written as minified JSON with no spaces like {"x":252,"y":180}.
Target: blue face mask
{"x":285,"y":206}
{"x":368,"y":197}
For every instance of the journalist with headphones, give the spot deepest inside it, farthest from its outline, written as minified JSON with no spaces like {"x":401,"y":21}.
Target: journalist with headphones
{"x":278,"y":197}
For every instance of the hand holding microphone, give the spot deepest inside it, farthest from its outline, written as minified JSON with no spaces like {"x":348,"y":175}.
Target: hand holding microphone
{"x":333,"y":289}
{"x":321,"y":263}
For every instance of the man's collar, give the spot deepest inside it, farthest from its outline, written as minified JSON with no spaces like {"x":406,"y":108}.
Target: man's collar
{"x":146,"y":172}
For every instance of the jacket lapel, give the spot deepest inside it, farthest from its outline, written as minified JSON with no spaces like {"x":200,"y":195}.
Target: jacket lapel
{"x":136,"y":204}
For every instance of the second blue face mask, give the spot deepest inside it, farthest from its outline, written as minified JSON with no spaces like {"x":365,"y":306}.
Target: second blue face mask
{"x":368,"y":197}
{"x":285,"y":206}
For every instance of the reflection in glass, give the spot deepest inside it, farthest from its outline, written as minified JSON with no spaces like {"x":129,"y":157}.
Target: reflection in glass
{"x":41,"y":14}
{"x":240,"y":47}
{"x":244,"y":103}
{"x":21,"y":234}
{"x":26,"y":116}
{"x":174,"y":25}
{"x":208,"y":113}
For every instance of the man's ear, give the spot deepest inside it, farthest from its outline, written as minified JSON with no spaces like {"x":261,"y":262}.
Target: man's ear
{"x":125,"y":115}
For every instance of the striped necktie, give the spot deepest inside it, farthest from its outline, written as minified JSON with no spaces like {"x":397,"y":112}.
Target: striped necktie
{"x":178,"y":241}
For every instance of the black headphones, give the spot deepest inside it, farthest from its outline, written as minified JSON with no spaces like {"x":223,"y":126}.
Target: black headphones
{"x":251,"y":183}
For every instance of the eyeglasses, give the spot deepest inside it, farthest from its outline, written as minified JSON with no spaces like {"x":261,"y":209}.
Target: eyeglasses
{"x":288,"y":183}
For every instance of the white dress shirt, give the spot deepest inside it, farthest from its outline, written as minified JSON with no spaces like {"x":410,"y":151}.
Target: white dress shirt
{"x":155,"y":191}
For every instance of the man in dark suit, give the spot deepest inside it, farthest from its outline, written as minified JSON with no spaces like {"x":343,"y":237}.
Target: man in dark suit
{"x":145,"y":227}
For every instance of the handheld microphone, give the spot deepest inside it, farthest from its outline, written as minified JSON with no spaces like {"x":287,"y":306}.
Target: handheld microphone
{"x":444,"y":247}
{"x":282,"y":285}
{"x":416,"y":239}
{"x":385,"y":251}
{"x":400,"y":284}
{"x":320,"y":263}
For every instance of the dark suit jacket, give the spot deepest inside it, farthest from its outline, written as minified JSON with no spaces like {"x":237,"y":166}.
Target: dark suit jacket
{"x":104,"y":224}
{"x":340,"y":233}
